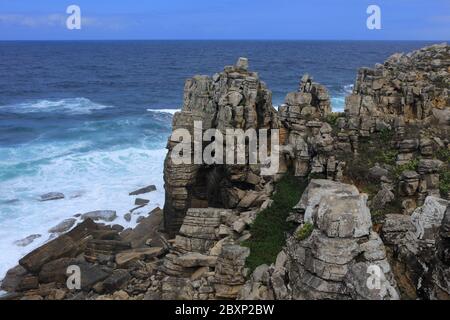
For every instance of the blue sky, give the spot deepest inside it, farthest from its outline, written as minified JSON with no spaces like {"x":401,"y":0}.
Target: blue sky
{"x":225,"y":19}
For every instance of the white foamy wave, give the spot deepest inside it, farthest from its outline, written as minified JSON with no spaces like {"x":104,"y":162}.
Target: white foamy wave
{"x":73,"y":106}
{"x":338,"y":104}
{"x":348,"y":88}
{"x":171,"y":111}
{"x":97,"y":180}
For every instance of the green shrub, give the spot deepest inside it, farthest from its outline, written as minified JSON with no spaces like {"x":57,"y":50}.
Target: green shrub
{"x":332,"y":118}
{"x":443,"y":155}
{"x":304,"y":231}
{"x":444,"y":182}
{"x":409,"y":166}
{"x":270,"y":227}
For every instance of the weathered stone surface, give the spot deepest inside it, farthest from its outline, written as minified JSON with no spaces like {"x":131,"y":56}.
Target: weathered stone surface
{"x":12,"y":278}
{"x":147,"y":189}
{"x":329,"y":263}
{"x":64,"y":226}
{"x":232,"y":99}
{"x":104,"y":215}
{"x":190,"y":260}
{"x":128,"y":256}
{"x":148,"y":228}
{"x":429,"y":217}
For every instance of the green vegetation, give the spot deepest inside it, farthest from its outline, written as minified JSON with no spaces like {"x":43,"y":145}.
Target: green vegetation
{"x":305,"y":231}
{"x":332,"y":118}
{"x":409,"y":166}
{"x":270,"y":226}
{"x":444,"y":182}
{"x":443,"y":155}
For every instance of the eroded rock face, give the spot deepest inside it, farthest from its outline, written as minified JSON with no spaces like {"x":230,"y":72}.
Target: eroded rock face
{"x":338,"y":258}
{"x":232,"y":99}
{"x":413,"y":86}
{"x":335,"y":261}
{"x":418,"y":247}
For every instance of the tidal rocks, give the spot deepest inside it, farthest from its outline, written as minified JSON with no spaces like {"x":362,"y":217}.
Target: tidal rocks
{"x":52,"y":196}
{"x":13,"y":278}
{"x":141,"y":202}
{"x":144,"y":190}
{"x":104,"y":215}
{"x":67,"y":245}
{"x":148,"y":228}
{"x":64,"y":226}
{"x":28,"y":240}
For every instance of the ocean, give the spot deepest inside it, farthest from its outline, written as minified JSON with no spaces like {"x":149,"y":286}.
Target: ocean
{"x":91,"y":119}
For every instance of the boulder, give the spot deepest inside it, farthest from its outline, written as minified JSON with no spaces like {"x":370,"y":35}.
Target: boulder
{"x":64,"y":226}
{"x":141,"y":202}
{"x":13,"y":278}
{"x":146,"y":229}
{"x":144,"y":190}
{"x":26,"y":241}
{"x":104,"y":215}
{"x":428,"y":218}
{"x":51,"y":196}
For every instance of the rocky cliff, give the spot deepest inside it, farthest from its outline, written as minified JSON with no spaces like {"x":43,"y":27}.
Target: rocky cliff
{"x":372,"y":223}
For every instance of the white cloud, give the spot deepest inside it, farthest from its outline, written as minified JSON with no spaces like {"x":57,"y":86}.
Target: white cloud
{"x":35,"y":21}
{"x":59,"y":21}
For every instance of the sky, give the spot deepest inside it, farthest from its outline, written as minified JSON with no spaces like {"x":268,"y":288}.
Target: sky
{"x":225,"y":19}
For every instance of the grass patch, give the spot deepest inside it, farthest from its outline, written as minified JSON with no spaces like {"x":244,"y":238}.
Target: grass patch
{"x":444,"y":182}
{"x":270,"y":227}
{"x":305,"y":231}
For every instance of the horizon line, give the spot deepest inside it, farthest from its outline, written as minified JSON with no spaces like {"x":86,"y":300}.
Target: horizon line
{"x":361,"y":40}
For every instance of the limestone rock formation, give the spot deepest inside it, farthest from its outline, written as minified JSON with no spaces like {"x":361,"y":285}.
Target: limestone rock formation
{"x":233,"y":99}
{"x":418,"y":250}
{"x":407,"y":87}
{"x":337,"y":260}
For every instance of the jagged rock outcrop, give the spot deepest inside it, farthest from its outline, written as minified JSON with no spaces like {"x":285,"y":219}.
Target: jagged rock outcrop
{"x":206,"y":261}
{"x":308,"y":139}
{"x":233,"y":99}
{"x":406,"y":88}
{"x":336,"y":259}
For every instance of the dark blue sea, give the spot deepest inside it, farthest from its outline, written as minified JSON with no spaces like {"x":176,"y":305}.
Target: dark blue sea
{"x":88,"y":119}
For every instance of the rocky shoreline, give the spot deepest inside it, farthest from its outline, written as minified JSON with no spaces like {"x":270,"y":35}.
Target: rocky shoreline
{"x":377,"y":198}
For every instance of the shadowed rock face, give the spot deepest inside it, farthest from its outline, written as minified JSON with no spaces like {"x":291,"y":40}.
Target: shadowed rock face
{"x":234,"y":98}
